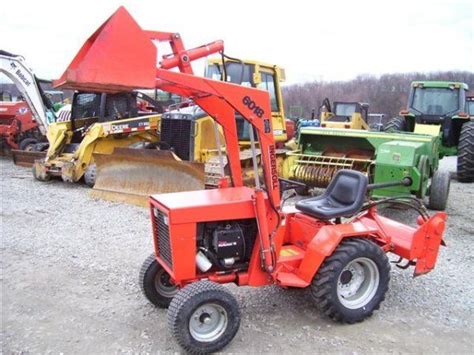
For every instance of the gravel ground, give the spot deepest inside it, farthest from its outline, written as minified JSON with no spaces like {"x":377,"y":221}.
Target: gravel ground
{"x":69,"y":285}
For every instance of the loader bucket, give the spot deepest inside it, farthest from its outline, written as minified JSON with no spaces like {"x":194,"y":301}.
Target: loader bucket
{"x":26,"y":158}
{"x":131,"y":175}
{"x":119,"y":56}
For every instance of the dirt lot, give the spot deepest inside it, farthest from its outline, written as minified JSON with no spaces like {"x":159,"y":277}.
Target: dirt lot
{"x":69,"y":285}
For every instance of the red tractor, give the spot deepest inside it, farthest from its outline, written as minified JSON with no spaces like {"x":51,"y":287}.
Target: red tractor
{"x":334,"y":244}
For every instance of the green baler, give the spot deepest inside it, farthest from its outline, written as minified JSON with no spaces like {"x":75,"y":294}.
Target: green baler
{"x":382,"y":156}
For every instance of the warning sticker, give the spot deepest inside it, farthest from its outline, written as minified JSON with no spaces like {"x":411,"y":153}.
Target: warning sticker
{"x":288,"y":252}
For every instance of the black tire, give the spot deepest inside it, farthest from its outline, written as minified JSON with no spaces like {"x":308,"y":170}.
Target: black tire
{"x":28,"y":144}
{"x":41,"y":147}
{"x":465,"y":166}
{"x":193,"y":307}
{"x":328,"y":285}
{"x":396,"y":124}
{"x":155,"y":284}
{"x":302,"y":191}
{"x":90,"y":175}
{"x":43,"y":176}
{"x":439,"y":190}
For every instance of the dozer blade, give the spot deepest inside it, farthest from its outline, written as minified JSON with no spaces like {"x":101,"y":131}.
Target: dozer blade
{"x":26,"y":158}
{"x":131,"y":175}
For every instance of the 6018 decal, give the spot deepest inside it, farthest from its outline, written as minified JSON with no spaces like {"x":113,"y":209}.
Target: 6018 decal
{"x":247,"y":101}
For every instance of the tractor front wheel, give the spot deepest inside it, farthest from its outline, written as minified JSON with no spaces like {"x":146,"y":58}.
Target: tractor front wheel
{"x":203,"y":317}
{"x":352,"y":282}
{"x":155,"y":283}
{"x":439,"y":190}
{"x":465,"y":167}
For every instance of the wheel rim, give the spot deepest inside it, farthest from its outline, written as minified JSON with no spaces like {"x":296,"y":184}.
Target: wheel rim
{"x":30,"y":147}
{"x":357,"y":283}
{"x":208,"y":322}
{"x":163,"y":284}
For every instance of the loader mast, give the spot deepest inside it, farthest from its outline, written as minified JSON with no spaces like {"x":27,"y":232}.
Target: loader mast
{"x":221,"y":100}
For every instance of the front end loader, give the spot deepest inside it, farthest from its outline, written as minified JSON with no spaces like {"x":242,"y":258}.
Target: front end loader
{"x":441,"y":108}
{"x":243,"y":235}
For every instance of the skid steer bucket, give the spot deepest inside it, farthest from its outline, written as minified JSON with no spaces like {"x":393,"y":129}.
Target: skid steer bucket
{"x":26,"y":158}
{"x":131,"y":175}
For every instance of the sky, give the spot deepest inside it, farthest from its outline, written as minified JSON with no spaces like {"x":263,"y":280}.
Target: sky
{"x":312,"y":40}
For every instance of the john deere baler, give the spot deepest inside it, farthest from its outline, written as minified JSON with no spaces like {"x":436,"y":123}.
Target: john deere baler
{"x":382,"y":156}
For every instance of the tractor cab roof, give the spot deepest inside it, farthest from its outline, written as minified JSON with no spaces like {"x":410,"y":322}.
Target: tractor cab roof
{"x":440,"y":84}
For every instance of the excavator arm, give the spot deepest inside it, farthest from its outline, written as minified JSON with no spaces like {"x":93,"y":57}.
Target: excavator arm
{"x":14,"y":67}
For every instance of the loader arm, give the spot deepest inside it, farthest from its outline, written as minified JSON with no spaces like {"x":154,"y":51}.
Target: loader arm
{"x":221,"y":100}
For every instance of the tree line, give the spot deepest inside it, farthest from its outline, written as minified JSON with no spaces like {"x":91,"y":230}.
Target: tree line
{"x":385,"y":94}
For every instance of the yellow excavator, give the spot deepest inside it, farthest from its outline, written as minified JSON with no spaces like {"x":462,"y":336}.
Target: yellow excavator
{"x":188,"y":156}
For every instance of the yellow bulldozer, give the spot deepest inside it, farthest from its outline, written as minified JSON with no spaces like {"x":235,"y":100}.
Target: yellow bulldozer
{"x":188,"y":156}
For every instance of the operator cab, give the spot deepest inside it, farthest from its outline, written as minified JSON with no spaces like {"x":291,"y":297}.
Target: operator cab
{"x":91,"y":107}
{"x":343,"y":111}
{"x":431,"y":103}
{"x":255,"y":75}
{"x":437,"y":103}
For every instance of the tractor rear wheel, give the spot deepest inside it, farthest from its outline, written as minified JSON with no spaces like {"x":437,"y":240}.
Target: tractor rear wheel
{"x":352,"y":282}
{"x":396,"y":124}
{"x":465,"y":167}
{"x":439,"y":190}
{"x":155,"y":283}
{"x":203,"y":317}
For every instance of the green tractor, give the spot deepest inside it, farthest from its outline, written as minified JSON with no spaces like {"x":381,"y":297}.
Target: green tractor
{"x":441,"y":107}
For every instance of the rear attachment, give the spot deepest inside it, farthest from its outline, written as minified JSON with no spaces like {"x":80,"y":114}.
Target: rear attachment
{"x":131,"y":175}
{"x":26,"y":158}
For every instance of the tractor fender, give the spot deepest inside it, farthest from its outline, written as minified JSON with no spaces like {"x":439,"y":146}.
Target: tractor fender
{"x":326,"y":241}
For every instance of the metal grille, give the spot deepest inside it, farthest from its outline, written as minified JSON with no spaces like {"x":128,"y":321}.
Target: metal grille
{"x":178,"y":134}
{"x":162,"y":235}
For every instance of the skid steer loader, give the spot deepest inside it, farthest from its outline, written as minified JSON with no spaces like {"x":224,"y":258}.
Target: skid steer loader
{"x":99,"y":123}
{"x":189,"y":135}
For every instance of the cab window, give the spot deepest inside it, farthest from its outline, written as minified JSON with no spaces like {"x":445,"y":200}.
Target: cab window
{"x":268,"y":83}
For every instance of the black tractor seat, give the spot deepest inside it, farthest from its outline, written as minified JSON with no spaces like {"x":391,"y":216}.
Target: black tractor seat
{"x":343,"y":197}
